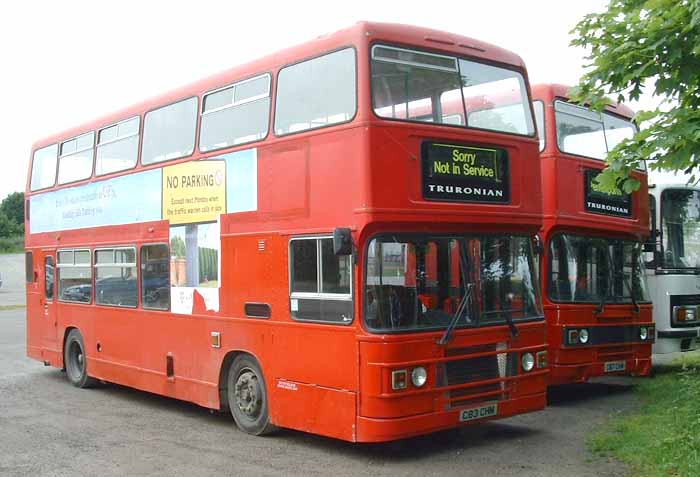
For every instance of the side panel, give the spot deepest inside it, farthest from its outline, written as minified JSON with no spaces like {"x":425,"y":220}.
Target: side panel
{"x":312,"y":408}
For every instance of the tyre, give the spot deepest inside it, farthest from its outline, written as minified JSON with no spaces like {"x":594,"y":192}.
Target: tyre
{"x":75,"y":361}
{"x":247,"y":396}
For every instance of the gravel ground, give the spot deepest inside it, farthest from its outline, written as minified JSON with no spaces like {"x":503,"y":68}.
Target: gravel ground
{"x":12,"y":274}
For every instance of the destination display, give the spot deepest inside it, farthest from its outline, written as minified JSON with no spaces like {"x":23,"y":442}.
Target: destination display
{"x":598,"y":202}
{"x":459,"y":173}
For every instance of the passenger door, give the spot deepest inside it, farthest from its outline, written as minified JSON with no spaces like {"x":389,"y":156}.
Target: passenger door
{"x":48,"y":302}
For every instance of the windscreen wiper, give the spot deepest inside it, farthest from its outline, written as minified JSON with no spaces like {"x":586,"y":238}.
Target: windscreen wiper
{"x":468,"y":288}
{"x":511,"y":326}
{"x":445,"y":338}
{"x":608,"y":258}
{"x":629,"y":285}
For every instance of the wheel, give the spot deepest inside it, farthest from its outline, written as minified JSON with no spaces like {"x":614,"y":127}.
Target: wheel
{"x":75,"y":361}
{"x":247,"y":396}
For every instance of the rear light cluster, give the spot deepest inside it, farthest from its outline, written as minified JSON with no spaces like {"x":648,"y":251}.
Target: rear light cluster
{"x":577,"y":336}
{"x":686,"y":314}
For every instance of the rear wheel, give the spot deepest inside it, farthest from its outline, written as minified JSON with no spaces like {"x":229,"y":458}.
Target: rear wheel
{"x":75,"y":361}
{"x":247,"y":396}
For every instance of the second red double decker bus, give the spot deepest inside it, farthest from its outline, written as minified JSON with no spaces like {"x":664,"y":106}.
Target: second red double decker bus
{"x":597,"y":306}
{"x":311,"y":241}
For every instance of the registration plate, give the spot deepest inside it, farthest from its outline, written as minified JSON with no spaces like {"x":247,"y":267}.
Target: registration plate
{"x":480,"y":412}
{"x":614,"y":366}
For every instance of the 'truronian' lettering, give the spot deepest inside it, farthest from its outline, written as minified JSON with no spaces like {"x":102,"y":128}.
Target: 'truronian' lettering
{"x":608,"y":208}
{"x":470,"y":191}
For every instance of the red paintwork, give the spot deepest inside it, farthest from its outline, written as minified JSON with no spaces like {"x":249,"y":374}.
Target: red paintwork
{"x":563,"y":210}
{"x":366,"y":175}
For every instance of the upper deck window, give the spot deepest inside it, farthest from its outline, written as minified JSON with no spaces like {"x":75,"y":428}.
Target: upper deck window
{"x":589,"y":133}
{"x":316,"y":93}
{"x":426,"y":87}
{"x":117,"y":147}
{"x":169,"y":132}
{"x":44,"y":167}
{"x":236,"y":114}
{"x":75,"y":160}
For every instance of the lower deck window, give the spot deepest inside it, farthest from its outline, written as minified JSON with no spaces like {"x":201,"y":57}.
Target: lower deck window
{"x":74,"y":276}
{"x":115,"y":277}
{"x":155,"y":277}
{"x":320,"y":282}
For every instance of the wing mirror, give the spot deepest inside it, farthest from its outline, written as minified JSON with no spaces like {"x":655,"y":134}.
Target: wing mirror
{"x":342,"y":241}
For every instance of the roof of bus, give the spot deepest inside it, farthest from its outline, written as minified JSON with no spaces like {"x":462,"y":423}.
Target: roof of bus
{"x":549,"y":91}
{"x":356,"y":34}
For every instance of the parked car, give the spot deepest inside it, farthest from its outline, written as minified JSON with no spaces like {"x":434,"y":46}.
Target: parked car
{"x":81,"y":293}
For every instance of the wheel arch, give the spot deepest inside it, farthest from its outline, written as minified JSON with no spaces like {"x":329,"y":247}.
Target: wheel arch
{"x":223,"y":374}
{"x":66,"y":332}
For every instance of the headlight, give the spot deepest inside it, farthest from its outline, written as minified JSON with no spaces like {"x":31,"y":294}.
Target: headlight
{"x":528,"y":361}
{"x":643,"y":333}
{"x":419,"y":376}
{"x":685,"y":314}
{"x":690,"y":314}
{"x":583,"y":336}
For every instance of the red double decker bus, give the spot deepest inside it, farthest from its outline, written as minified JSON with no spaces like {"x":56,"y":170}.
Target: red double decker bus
{"x":307,"y":241}
{"x":597,"y":306}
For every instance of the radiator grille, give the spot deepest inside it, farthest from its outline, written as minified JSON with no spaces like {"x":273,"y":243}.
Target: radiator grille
{"x":478,"y":368}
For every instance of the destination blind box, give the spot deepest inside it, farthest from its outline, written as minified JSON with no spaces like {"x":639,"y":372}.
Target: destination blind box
{"x":598,"y":202}
{"x":464,"y":173}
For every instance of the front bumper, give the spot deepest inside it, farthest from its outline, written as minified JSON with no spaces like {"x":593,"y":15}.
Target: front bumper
{"x":580,"y":373}
{"x":380,"y":430}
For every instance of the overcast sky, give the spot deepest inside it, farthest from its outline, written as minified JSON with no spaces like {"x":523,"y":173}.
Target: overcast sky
{"x":68,"y":62}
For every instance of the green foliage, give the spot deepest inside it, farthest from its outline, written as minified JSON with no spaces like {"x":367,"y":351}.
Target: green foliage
{"x":208,"y":264}
{"x":12,"y":215}
{"x":8,"y":227}
{"x":14,"y":244}
{"x":640,"y":44}
{"x":662,"y":438}
{"x":13,"y":207}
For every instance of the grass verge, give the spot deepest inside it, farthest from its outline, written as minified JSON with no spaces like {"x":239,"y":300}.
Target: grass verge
{"x":12,"y":244}
{"x":662,"y":438}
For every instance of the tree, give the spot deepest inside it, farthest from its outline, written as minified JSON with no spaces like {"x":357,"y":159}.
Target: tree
{"x":640,"y":44}
{"x":13,"y":207}
{"x":177,"y":247}
{"x":8,"y":227}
